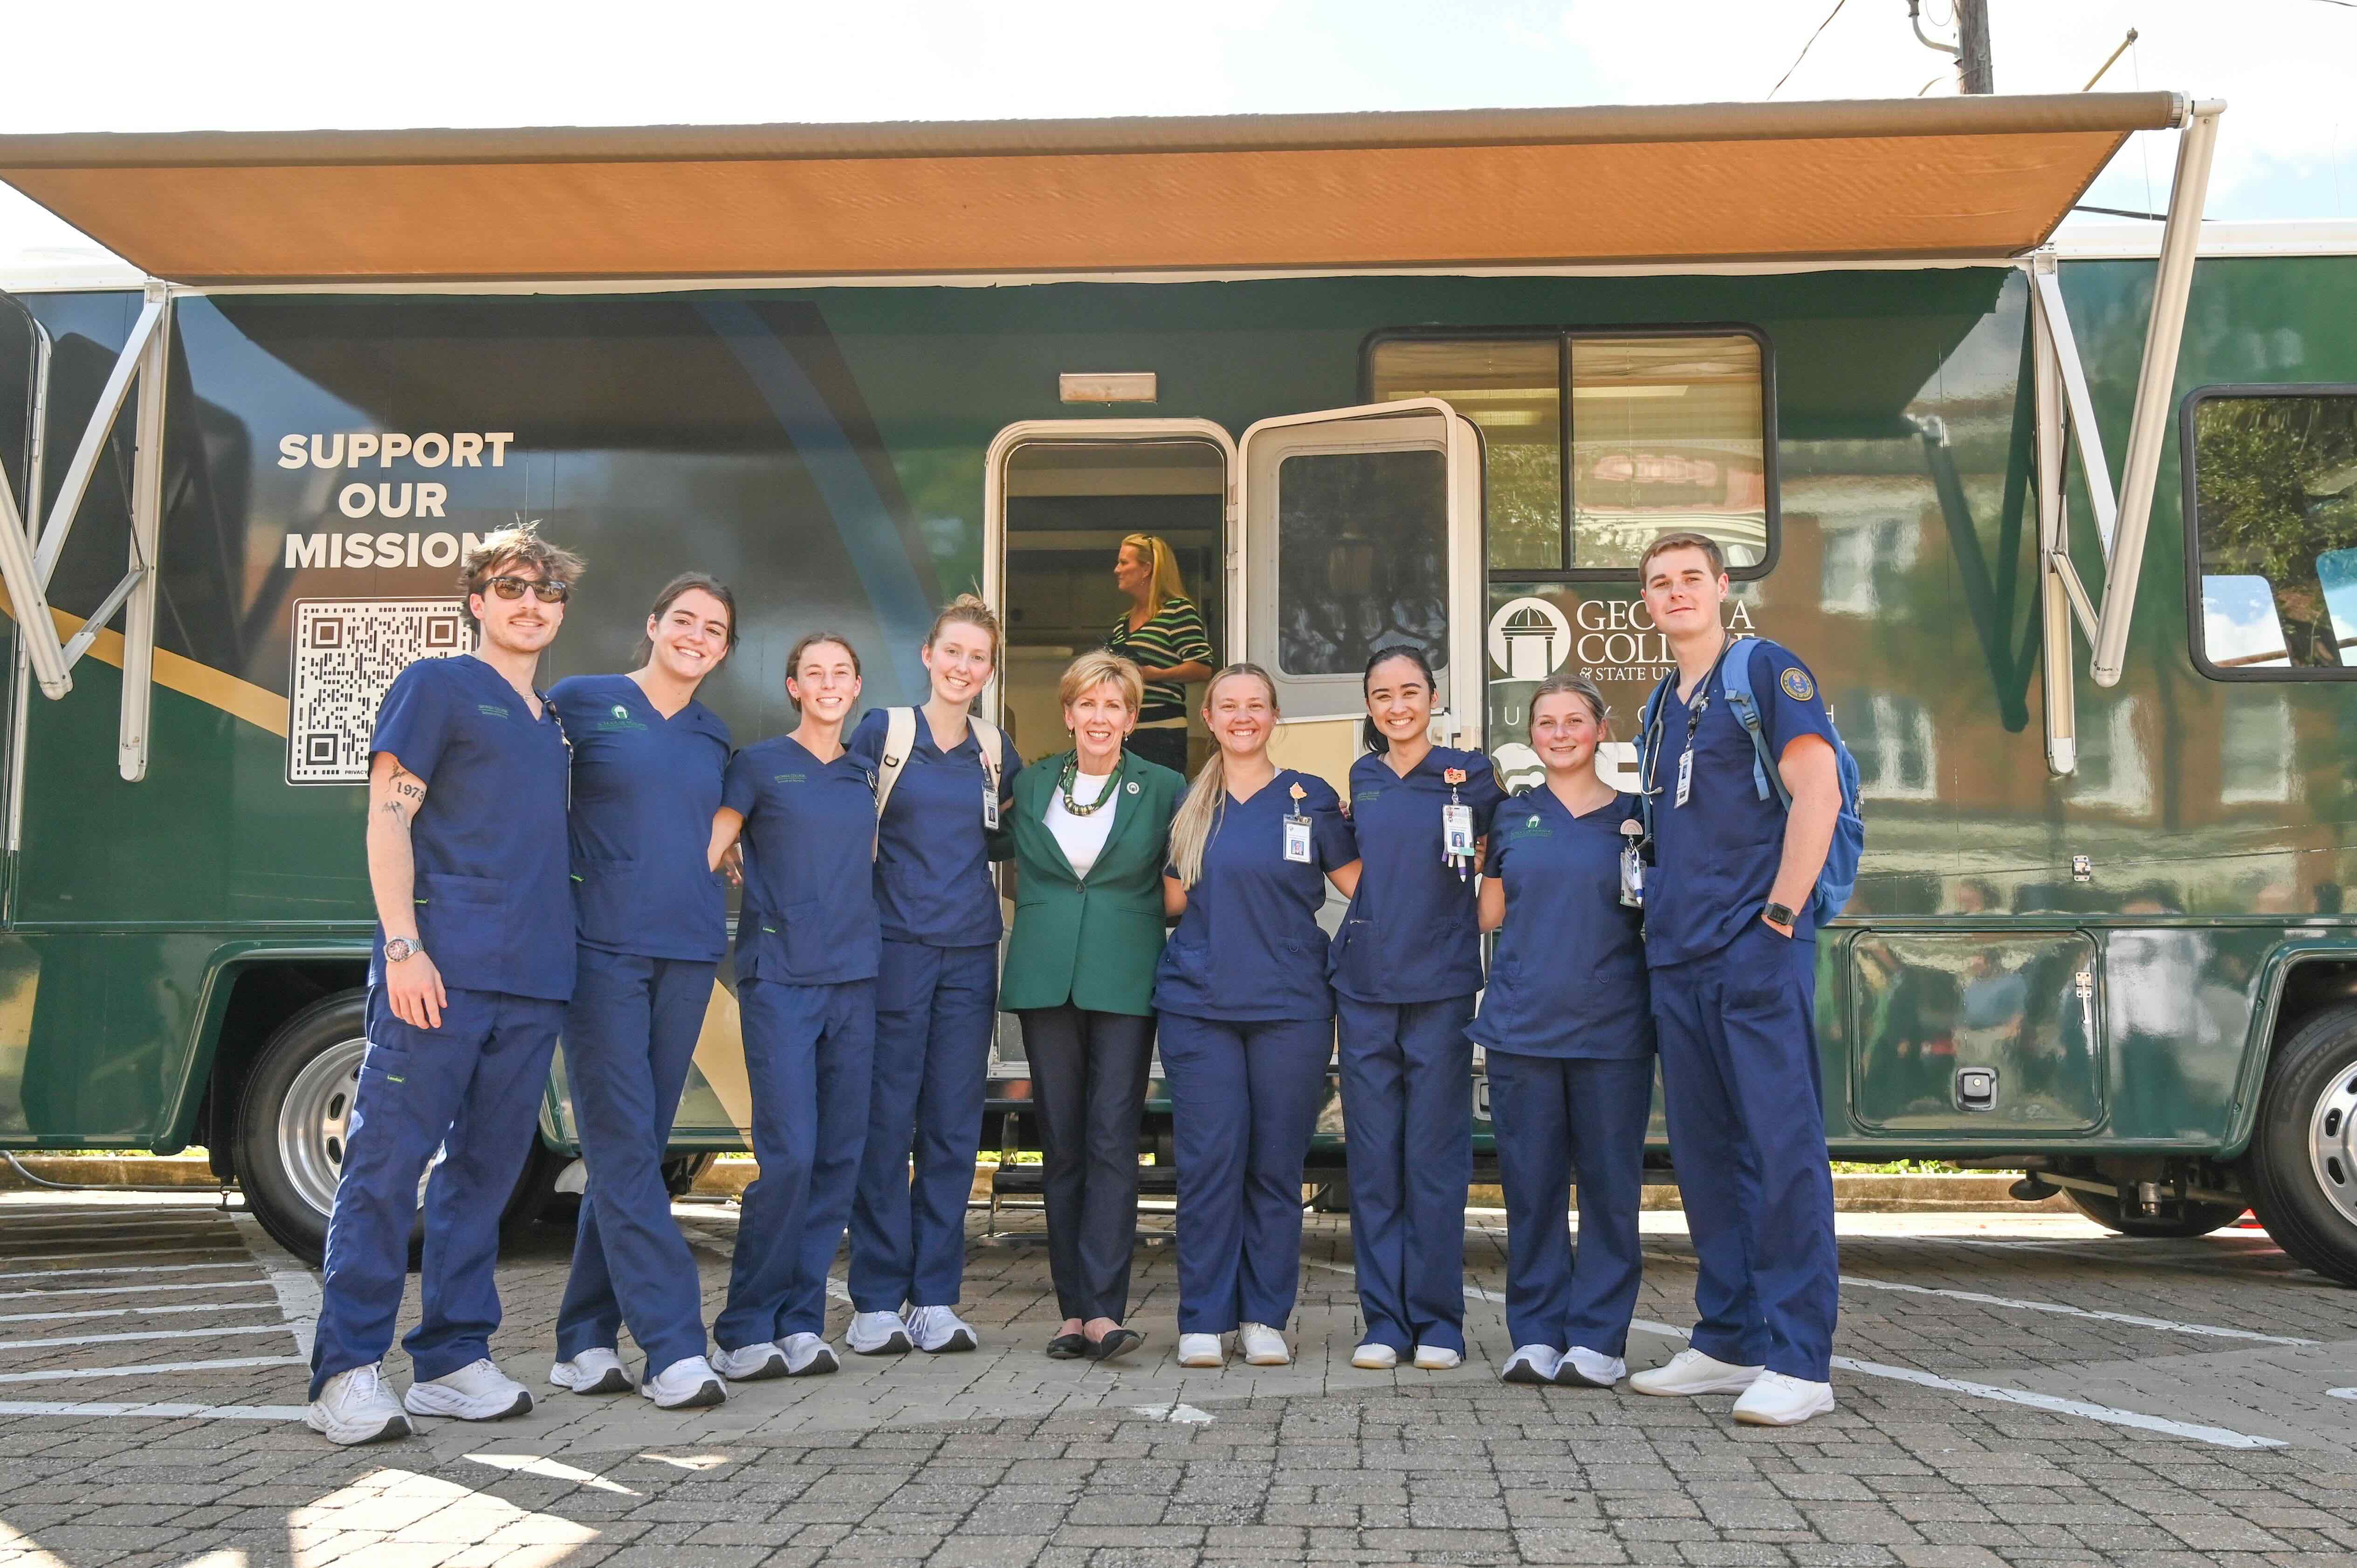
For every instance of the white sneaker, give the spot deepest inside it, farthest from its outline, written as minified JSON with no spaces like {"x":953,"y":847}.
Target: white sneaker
{"x":1373,"y":1357}
{"x":686,"y":1384}
{"x":1585,"y":1369}
{"x":1263,"y":1345}
{"x":1200,"y":1350}
{"x":879,"y":1333}
{"x":1529,"y":1364}
{"x":1692,"y":1372}
{"x":476,"y":1391}
{"x":597,"y":1370}
{"x":355,"y":1406}
{"x":808,"y":1356}
{"x":750,"y":1363}
{"x":1777,"y":1399}
{"x":938,"y":1330}
{"x":1437,"y":1357}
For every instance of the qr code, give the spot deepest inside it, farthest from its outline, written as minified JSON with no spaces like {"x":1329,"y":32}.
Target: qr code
{"x":347,"y":653}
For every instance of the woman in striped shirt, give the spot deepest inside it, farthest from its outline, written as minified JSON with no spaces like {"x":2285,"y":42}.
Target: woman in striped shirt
{"x":1163,"y":635}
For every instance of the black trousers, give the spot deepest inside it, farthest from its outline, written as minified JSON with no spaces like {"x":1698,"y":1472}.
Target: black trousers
{"x":1167,"y":746}
{"x":1087,"y":1078}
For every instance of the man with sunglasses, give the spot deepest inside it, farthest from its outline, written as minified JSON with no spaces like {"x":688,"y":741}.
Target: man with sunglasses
{"x":468,"y":859}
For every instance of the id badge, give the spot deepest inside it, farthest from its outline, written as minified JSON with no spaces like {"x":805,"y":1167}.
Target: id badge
{"x":1297,"y":840}
{"x":1632,"y":876}
{"x":1685,"y":774}
{"x":1456,"y":831}
{"x":990,"y":807}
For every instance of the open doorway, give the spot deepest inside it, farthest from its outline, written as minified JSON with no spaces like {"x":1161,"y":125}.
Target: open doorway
{"x":1067,"y":495}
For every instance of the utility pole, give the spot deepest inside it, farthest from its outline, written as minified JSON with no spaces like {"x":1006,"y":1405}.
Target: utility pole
{"x":1972,"y":63}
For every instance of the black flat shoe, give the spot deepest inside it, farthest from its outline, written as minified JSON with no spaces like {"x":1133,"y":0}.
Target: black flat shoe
{"x":1069,"y":1347}
{"x":1117,"y":1343}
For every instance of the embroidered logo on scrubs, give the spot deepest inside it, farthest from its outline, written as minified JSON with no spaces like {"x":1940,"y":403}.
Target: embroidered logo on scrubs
{"x":497,"y":713}
{"x":620,"y":712}
{"x":1797,"y":685}
{"x":790,"y":778}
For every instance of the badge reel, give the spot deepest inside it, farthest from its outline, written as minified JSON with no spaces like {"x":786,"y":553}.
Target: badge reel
{"x":1297,"y":830}
{"x":1457,"y":828}
{"x":1632,"y":864}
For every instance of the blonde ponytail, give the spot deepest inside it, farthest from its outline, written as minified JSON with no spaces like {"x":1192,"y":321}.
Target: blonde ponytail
{"x":1199,"y":813}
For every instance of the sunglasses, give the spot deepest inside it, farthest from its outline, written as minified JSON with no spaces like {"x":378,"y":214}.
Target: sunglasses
{"x":548,"y":592}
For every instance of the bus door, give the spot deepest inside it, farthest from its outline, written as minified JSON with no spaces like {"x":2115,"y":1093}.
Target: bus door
{"x":1358,"y":529}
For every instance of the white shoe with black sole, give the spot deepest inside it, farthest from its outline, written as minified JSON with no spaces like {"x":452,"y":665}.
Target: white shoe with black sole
{"x":688,"y":1383}
{"x":878,"y":1333}
{"x":354,"y":1407}
{"x":1582,"y":1368}
{"x":938,"y":1330}
{"x":808,"y":1356}
{"x":476,"y":1391}
{"x":597,"y":1370}
{"x":1529,"y":1364}
{"x":750,"y":1363}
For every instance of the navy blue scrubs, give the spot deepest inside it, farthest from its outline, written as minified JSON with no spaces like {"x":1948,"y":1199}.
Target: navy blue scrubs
{"x":653,"y":923}
{"x":1407,"y":964}
{"x":807,"y":946}
{"x":1246,"y":1029}
{"x":937,"y":1002}
{"x":1736,"y":1004}
{"x":1567,"y":1029}
{"x":495,"y":915}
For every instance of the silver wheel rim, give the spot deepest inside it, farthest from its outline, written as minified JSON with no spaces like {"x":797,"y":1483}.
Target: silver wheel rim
{"x":2333,"y":1143}
{"x":315,"y":1119}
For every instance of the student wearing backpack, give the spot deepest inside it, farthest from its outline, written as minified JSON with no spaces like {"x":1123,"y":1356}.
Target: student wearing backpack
{"x":944,"y":782}
{"x":1745,"y":798}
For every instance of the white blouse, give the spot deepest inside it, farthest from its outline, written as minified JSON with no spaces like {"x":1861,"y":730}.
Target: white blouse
{"x":1083,"y":839}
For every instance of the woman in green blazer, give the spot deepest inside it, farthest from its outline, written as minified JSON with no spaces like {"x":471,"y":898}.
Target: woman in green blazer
{"x":1091,"y":831}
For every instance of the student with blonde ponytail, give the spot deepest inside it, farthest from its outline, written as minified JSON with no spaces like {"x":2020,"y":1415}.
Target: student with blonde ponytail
{"x":1247,"y":1019}
{"x":943,"y":781}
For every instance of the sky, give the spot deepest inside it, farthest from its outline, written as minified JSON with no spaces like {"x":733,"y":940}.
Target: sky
{"x":2287,"y":148}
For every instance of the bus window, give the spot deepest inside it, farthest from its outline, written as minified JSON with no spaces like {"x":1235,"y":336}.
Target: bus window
{"x":2275,"y":501}
{"x":1666,"y":433}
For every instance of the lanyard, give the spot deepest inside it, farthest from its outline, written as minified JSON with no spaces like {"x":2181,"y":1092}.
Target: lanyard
{"x":1694,"y":714}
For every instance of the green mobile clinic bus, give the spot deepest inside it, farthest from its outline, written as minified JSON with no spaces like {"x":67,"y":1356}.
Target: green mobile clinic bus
{"x":2068,"y":532}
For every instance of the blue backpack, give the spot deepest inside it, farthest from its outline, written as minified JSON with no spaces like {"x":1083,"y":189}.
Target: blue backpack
{"x":1839,"y":877}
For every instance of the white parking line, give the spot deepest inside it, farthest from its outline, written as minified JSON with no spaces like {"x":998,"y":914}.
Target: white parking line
{"x":190,"y":1411}
{"x":2169,"y":1325}
{"x":134,"y":1311}
{"x":225,"y":1246}
{"x":142,"y":1287}
{"x":63,"y":1374}
{"x":129,"y":1339}
{"x":121,"y":1269}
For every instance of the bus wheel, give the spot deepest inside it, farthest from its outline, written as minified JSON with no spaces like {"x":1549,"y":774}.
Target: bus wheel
{"x":292,"y":1119}
{"x":2190,"y":1218}
{"x":2302,"y":1166}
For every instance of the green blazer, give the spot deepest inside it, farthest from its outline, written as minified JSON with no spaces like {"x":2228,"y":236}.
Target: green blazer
{"x":1093,"y":943}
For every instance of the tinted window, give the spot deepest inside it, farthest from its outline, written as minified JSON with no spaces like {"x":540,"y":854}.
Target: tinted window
{"x":1512,"y":389}
{"x":1362,"y":558}
{"x":2274,"y":498}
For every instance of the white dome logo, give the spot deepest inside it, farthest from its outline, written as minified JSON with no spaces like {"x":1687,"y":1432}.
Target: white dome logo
{"x":1529,"y":639}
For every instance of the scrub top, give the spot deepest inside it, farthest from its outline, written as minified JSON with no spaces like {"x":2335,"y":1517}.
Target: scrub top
{"x":644,"y":788}
{"x":494,"y":901}
{"x":1569,"y":975}
{"x":1715,"y":856}
{"x":932,"y":862}
{"x":1248,"y":949}
{"x":809,"y":913}
{"x":1412,"y":933}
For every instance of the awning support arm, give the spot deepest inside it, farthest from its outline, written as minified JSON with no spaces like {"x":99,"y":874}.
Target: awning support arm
{"x":52,"y":664}
{"x":63,"y":512}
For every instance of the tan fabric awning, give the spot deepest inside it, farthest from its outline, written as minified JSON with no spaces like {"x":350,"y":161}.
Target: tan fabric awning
{"x":1954,"y":178}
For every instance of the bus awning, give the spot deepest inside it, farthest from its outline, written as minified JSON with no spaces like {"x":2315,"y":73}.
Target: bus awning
{"x":1953,"y":179}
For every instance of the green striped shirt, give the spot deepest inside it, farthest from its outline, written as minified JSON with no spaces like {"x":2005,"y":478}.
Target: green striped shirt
{"x":1172,"y":635}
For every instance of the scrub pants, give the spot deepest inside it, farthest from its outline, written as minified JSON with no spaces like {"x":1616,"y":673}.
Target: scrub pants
{"x":1245,"y":1100}
{"x":474,"y":1087}
{"x":807,"y":1052}
{"x":630,"y":1033}
{"x":1742,"y":1087}
{"x":935,"y":1008}
{"x":1088,"y":1071}
{"x":1408,"y":1112}
{"x":1560,"y":1119}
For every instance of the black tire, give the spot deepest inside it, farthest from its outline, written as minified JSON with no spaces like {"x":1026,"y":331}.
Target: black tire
{"x":2180,"y":1220}
{"x":2302,"y":1164}
{"x":290,"y":1116}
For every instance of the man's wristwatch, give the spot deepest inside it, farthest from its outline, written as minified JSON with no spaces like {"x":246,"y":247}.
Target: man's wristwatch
{"x":1779,"y":914}
{"x":399,"y":948}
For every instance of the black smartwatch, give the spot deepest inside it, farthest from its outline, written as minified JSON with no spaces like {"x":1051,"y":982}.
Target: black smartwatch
{"x":1780,"y":915}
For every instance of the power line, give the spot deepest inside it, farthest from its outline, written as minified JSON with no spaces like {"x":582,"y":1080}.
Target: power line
{"x":1812,"y":38}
